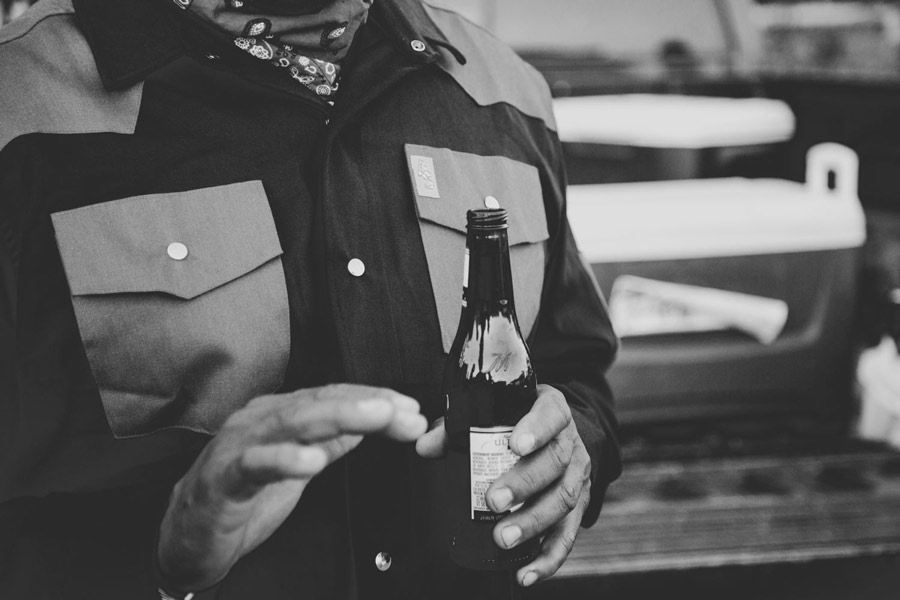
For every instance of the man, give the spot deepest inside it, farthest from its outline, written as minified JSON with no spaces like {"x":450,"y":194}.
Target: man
{"x":231,"y":240}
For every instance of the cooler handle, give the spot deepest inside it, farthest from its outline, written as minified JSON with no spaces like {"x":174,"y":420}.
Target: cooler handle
{"x":829,"y":158}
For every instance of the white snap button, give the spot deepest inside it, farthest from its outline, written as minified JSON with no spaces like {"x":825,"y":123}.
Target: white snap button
{"x":491,"y":202}
{"x":356,"y":267}
{"x":177,"y":251}
{"x":383,"y":561}
{"x":417,"y":45}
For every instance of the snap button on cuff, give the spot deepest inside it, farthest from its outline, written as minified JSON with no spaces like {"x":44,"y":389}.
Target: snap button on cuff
{"x":177,"y":251}
{"x":383,"y":561}
{"x":417,"y":45}
{"x":356,"y":267}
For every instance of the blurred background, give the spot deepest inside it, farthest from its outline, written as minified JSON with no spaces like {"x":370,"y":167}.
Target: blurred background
{"x":734,"y":169}
{"x":734,"y":176}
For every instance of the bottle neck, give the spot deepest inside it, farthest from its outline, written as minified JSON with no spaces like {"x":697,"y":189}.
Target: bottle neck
{"x":489,"y":280}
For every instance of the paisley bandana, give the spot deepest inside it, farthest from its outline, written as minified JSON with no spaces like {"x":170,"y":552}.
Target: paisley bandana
{"x":308,"y":38}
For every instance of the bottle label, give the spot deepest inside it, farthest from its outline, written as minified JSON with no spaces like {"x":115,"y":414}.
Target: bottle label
{"x":489,"y":457}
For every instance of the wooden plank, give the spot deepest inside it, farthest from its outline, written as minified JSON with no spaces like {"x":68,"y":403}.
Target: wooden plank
{"x":740,"y":511}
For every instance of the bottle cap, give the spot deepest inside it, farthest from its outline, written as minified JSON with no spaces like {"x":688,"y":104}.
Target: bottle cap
{"x":488,"y":219}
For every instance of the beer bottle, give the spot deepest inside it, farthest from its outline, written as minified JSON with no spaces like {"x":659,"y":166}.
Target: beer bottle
{"x":490,"y":385}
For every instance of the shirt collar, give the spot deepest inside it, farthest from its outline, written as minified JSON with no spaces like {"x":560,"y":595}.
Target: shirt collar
{"x":407,"y":23}
{"x":130,"y":39}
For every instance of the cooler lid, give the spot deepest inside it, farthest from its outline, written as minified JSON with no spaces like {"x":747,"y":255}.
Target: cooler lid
{"x":673,"y":121}
{"x":710,"y":218}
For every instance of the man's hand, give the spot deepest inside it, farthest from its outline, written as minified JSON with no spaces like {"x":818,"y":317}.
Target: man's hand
{"x":250,"y":476}
{"x":552,"y":479}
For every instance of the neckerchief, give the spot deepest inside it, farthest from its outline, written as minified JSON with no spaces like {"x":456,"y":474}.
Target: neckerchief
{"x":308,"y":38}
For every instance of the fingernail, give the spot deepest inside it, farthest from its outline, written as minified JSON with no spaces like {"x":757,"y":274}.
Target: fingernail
{"x":373,"y":406}
{"x":510,"y":535}
{"x":411,"y":420}
{"x":502,"y":498}
{"x":526,"y":443}
{"x":530,"y":578}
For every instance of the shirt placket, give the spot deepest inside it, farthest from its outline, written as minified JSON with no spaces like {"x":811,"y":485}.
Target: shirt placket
{"x":356,"y":250}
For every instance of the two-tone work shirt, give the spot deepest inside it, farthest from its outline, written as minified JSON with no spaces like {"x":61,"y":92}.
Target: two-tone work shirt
{"x":183,"y":229}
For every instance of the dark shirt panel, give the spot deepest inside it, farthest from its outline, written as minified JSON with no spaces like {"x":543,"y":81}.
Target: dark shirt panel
{"x":338,"y":185}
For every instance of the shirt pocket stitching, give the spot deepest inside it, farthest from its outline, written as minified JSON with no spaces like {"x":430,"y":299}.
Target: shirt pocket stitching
{"x":463,"y":181}
{"x":178,"y":343}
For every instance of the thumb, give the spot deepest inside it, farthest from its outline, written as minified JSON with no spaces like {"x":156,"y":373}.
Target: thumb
{"x":433,"y":444}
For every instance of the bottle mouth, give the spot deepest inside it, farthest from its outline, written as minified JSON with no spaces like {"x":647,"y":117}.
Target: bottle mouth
{"x":488,"y":219}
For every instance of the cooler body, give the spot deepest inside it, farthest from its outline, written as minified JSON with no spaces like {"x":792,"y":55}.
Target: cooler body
{"x":780,"y":242}
{"x":805,"y":373}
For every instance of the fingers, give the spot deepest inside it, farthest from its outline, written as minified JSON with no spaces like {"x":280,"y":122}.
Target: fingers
{"x":547,"y":418}
{"x":543,"y":511}
{"x":531,"y":475}
{"x":261,"y":465}
{"x":295,"y":436}
{"x":406,"y":426}
{"x":434,"y":443}
{"x":555,"y":548}
{"x":337,"y":447}
{"x":320,"y":414}
{"x":344,"y":391}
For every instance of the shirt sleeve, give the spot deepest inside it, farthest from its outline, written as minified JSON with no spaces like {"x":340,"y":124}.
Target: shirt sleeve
{"x":92,"y":532}
{"x":574,"y":343}
{"x":14,"y":190}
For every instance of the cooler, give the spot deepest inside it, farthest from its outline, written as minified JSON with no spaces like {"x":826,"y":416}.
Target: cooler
{"x":726,"y":255}
{"x":651,"y":137}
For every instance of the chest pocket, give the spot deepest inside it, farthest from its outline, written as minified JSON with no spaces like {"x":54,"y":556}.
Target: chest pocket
{"x":181,"y":304}
{"x":446,"y":184}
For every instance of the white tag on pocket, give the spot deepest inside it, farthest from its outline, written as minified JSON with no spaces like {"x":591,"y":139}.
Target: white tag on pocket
{"x":426,"y":179}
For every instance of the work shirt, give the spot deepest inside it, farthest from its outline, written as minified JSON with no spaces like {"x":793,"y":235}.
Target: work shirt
{"x":183,"y":229}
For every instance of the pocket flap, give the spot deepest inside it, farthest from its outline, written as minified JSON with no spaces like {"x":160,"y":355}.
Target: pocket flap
{"x":182,"y":243}
{"x":447,"y":183}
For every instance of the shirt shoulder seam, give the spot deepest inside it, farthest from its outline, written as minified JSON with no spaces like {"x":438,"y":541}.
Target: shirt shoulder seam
{"x":537,"y":105}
